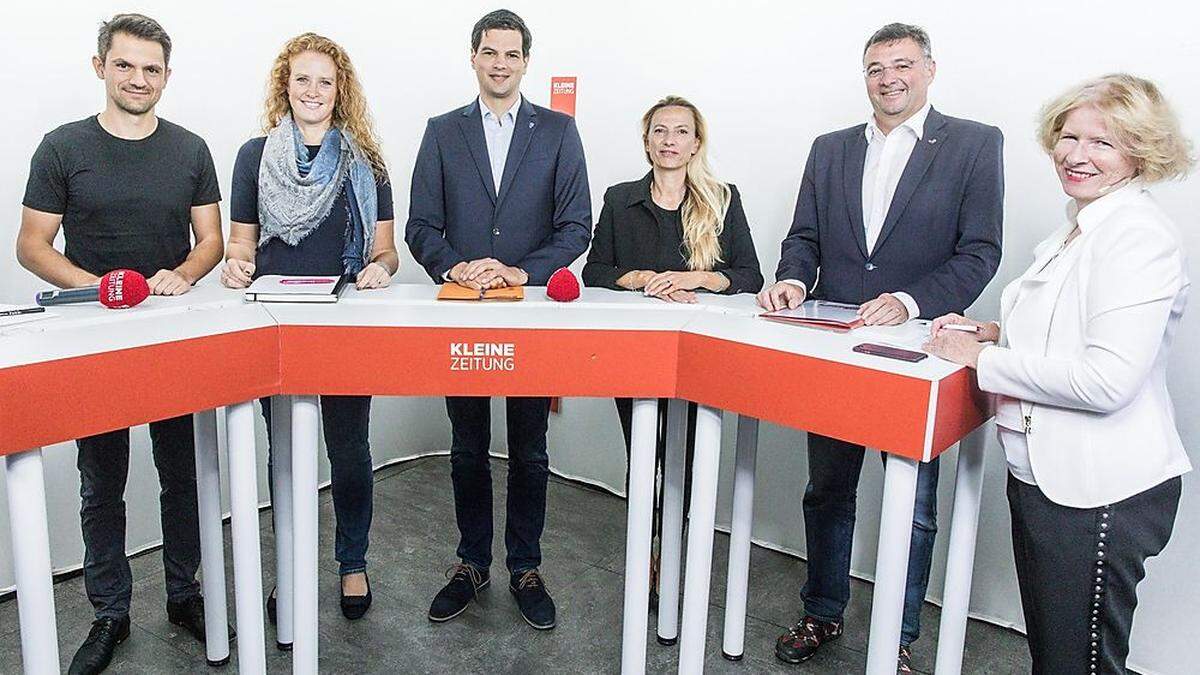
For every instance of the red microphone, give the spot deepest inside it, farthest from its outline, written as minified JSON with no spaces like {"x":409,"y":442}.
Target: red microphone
{"x":562,"y":286}
{"x":119,"y":289}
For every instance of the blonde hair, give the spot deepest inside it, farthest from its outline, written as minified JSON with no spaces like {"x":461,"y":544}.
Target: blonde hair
{"x":705,"y":199}
{"x":1140,"y":120}
{"x":350,"y":112}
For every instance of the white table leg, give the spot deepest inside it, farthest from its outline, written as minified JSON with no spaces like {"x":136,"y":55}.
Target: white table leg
{"x":739,"y":539}
{"x":305,"y":425}
{"x":891,"y":564}
{"x":637,"y":536}
{"x":671,"y":537}
{"x":247,"y":555}
{"x":703,"y":512}
{"x":956,"y":596}
{"x":212,"y":541}
{"x":31,"y":561}
{"x":281,"y":507}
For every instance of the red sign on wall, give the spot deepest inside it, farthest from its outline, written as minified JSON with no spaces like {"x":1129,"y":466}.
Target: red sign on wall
{"x":562,"y":95}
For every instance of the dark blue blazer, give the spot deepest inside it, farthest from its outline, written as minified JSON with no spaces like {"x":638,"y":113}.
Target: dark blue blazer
{"x":940,"y":242}
{"x":540,"y":221}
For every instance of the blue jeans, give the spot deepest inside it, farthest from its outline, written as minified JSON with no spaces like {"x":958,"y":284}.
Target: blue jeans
{"x":829,"y":501}
{"x":528,"y":472}
{"x":345,"y":421}
{"x":103,"y":462}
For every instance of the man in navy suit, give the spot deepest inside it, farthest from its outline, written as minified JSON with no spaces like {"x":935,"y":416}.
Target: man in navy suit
{"x":499,"y":198}
{"x":902,"y":216}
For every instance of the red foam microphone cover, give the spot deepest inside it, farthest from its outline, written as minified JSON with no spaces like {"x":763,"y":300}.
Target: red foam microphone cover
{"x":121,"y":289}
{"x":562,"y":286}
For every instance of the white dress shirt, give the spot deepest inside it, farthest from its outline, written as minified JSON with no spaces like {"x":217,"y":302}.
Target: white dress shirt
{"x":498,"y":131}
{"x":887,"y":155}
{"x":1084,"y":351}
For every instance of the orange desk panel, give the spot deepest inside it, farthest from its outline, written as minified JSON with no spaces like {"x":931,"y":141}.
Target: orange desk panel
{"x":55,"y":401}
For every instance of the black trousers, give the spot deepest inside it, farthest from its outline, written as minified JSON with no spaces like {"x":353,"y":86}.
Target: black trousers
{"x":471,"y":474}
{"x":103,"y":462}
{"x":1078,"y":570}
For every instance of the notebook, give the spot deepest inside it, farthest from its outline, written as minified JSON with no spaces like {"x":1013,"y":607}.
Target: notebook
{"x":281,"y":288}
{"x":453,"y":291}
{"x":835,"y":316}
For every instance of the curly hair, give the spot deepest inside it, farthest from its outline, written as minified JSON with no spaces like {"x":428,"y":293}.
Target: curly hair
{"x":350,"y":113}
{"x":1140,"y":120}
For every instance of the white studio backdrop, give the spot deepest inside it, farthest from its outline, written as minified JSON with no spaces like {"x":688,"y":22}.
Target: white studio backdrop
{"x":770,"y":77}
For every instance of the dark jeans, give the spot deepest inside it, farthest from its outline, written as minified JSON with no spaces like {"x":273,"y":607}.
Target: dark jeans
{"x":1078,"y":570}
{"x":528,"y":471}
{"x":829,"y":501}
{"x":103,"y":463}
{"x":625,"y":414}
{"x":345,"y":421}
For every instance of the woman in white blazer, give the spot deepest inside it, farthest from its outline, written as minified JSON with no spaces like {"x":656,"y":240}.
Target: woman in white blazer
{"x":1078,"y":365}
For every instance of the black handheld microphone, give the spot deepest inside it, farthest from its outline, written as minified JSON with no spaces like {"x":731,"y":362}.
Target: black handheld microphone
{"x":68,"y":296}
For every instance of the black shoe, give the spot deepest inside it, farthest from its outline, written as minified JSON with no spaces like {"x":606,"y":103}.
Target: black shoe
{"x":272,"y":611}
{"x":189,"y":614}
{"x":805,"y":638}
{"x":536,"y":605}
{"x":465,"y":583}
{"x":904,"y":661}
{"x":96,"y":652}
{"x":354,"y":606}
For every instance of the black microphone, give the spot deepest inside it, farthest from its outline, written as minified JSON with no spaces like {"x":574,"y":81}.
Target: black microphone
{"x":118,"y":289}
{"x":68,"y":296}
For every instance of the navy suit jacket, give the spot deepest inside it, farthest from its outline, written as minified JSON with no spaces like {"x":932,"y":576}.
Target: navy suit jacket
{"x":940,"y":242}
{"x":540,"y":221}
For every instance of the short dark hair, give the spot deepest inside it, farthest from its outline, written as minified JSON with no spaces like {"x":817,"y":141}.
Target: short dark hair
{"x":894,"y":32}
{"x":139,"y":26}
{"x":501,"y":19}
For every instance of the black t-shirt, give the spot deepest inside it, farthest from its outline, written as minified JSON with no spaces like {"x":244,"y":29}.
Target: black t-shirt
{"x":124,"y":203}
{"x":318,"y":253}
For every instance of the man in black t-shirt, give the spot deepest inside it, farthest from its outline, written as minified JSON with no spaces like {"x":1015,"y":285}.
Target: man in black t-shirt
{"x":126,"y":187}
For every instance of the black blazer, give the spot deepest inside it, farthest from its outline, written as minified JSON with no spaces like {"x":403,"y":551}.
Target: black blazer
{"x":940,"y":242}
{"x":627,"y":238}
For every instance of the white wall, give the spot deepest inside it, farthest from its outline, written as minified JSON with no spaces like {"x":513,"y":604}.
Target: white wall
{"x":769,"y":76}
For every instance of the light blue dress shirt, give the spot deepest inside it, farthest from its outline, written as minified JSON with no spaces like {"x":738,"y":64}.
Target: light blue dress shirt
{"x":498,"y":132}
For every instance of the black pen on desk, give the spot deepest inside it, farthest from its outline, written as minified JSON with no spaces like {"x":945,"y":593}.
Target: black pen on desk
{"x":20,"y":311}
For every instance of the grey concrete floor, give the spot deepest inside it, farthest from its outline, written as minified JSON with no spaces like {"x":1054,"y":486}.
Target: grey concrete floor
{"x":413,"y":538}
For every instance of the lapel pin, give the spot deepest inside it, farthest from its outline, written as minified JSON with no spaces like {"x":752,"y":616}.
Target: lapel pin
{"x":932,"y":141}
{"x":530,"y":124}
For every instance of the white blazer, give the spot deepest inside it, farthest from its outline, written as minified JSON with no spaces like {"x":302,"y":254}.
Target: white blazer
{"x":1093,"y":387}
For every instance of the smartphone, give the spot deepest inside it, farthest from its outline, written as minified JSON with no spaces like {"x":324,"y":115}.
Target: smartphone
{"x":890,"y":352}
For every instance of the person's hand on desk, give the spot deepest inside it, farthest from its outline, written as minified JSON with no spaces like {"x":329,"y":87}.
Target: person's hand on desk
{"x":487,"y":273}
{"x":168,"y":282}
{"x":985,"y":331}
{"x":956,"y":346}
{"x":374,"y":275}
{"x":678,"y":295}
{"x":780,"y":295}
{"x":635,"y":280}
{"x":886,"y":310}
{"x":236,"y":273}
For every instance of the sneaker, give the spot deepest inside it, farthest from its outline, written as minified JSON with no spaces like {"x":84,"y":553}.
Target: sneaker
{"x":96,"y":652}
{"x":189,"y":614}
{"x":465,"y":583}
{"x":904,"y":660}
{"x":805,"y":638}
{"x":536,"y":605}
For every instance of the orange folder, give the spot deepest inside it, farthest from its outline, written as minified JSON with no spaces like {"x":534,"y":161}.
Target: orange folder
{"x":453,"y":291}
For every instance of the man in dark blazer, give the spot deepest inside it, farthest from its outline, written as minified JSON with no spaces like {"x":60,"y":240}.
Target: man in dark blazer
{"x":499,"y":198}
{"x":901,"y":216}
